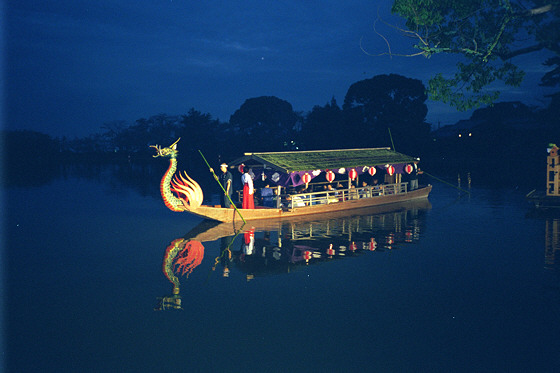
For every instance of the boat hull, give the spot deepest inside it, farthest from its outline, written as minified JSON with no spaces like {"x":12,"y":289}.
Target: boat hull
{"x":231,"y":215}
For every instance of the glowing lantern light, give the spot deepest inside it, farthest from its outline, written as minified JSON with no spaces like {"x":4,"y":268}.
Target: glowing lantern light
{"x":352,"y":174}
{"x":306,"y":178}
{"x":408,"y":236}
{"x":307,"y":255}
{"x":353,"y":247}
{"x":330,"y":176}
{"x":240,"y":167}
{"x":371,"y":171}
{"x":372,"y":244}
{"x":390,"y":170}
{"x":330,"y":250}
{"x":408,"y":168}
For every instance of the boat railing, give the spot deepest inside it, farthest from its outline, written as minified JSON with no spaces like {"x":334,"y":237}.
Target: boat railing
{"x":293,"y":201}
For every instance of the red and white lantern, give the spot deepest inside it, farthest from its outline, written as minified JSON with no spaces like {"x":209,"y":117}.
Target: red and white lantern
{"x":330,"y":176}
{"x":408,"y":168}
{"x":371,"y":171}
{"x":240,"y":167}
{"x":390,"y":170}
{"x":352,"y":174}
{"x":306,"y":178}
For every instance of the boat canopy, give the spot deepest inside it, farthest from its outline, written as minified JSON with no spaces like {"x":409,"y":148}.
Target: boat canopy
{"x":289,"y":168}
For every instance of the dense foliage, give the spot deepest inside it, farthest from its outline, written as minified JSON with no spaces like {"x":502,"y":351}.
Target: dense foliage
{"x":488,"y":34}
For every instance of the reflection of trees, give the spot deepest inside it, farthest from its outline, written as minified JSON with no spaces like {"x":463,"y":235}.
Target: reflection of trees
{"x":31,"y":158}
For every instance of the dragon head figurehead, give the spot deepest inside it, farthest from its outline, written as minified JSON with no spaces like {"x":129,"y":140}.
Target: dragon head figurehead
{"x":169,"y":152}
{"x":179,"y":192}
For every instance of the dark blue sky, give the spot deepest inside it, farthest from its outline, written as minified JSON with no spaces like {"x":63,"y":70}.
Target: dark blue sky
{"x":72,"y":66}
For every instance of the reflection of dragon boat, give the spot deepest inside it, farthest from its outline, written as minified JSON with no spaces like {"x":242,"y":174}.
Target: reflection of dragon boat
{"x":287,"y":170}
{"x":180,"y":258}
{"x":209,"y":230}
{"x":280,"y":246}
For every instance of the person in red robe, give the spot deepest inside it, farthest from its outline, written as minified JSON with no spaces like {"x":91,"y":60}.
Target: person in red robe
{"x":248,"y":190}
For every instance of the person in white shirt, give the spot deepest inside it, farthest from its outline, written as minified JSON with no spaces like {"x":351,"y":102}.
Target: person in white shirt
{"x":248,"y":190}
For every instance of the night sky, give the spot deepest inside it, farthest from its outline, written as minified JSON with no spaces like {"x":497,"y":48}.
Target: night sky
{"x":71,"y":66}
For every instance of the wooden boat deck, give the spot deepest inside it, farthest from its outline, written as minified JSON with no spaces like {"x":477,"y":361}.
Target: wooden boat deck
{"x":348,"y":199}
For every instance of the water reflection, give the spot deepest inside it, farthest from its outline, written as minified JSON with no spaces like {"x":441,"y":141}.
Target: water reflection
{"x":552,"y":243}
{"x":551,"y":218}
{"x":180,"y":259}
{"x":280,"y":247}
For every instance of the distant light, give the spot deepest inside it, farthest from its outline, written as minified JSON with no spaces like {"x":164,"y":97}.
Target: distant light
{"x":459,"y":135}
{"x":470,"y":134}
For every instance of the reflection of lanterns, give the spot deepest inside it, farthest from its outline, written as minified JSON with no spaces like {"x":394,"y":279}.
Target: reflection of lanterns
{"x":353,"y":247}
{"x":390,"y":239}
{"x":408,"y":235}
{"x":330,"y":176}
{"x":352,"y":174}
{"x":390,"y":170}
{"x":408,"y":168}
{"x":372,"y":244}
{"x":307,"y":255}
{"x":371,"y":171}
{"x":330,"y":250}
{"x":306,"y":178}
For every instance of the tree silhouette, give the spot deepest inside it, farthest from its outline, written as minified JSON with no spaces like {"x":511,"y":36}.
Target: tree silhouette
{"x":264,"y":123}
{"x":373,"y":107}
{"x":322,"y":127}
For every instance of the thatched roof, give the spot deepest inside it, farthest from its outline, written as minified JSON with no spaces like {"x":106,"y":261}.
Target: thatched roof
{"x":295,"y":161}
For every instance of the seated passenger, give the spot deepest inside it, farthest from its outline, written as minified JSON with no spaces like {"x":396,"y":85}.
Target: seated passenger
{"x":267,"y":196}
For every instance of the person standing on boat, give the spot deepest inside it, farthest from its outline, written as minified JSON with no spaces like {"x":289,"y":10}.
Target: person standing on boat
{"x":248,"y":190}
{"x":226,"y":180}
{"x":414,"y":176}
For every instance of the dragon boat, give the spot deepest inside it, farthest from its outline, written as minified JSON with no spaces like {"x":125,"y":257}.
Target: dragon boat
{"x":286,"y":171}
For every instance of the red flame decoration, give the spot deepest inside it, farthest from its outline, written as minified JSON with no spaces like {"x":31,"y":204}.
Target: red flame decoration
{"x":188,"y":258}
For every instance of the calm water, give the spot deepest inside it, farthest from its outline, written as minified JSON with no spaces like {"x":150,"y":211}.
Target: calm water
{"x":468,"y":284}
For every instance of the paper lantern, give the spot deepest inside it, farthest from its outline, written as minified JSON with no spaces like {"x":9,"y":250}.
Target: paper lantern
{"x":372,"y":170}
{"x":240,"y":167}
{"x":352,"y":174}
{"x":408,"y":168}
{"x":390,"y":170}
{"x":306,"y":178}
{"x":330,"y":176}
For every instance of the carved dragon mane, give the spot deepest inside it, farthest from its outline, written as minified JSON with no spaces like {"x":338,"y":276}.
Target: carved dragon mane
{"x":180,"y":193}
